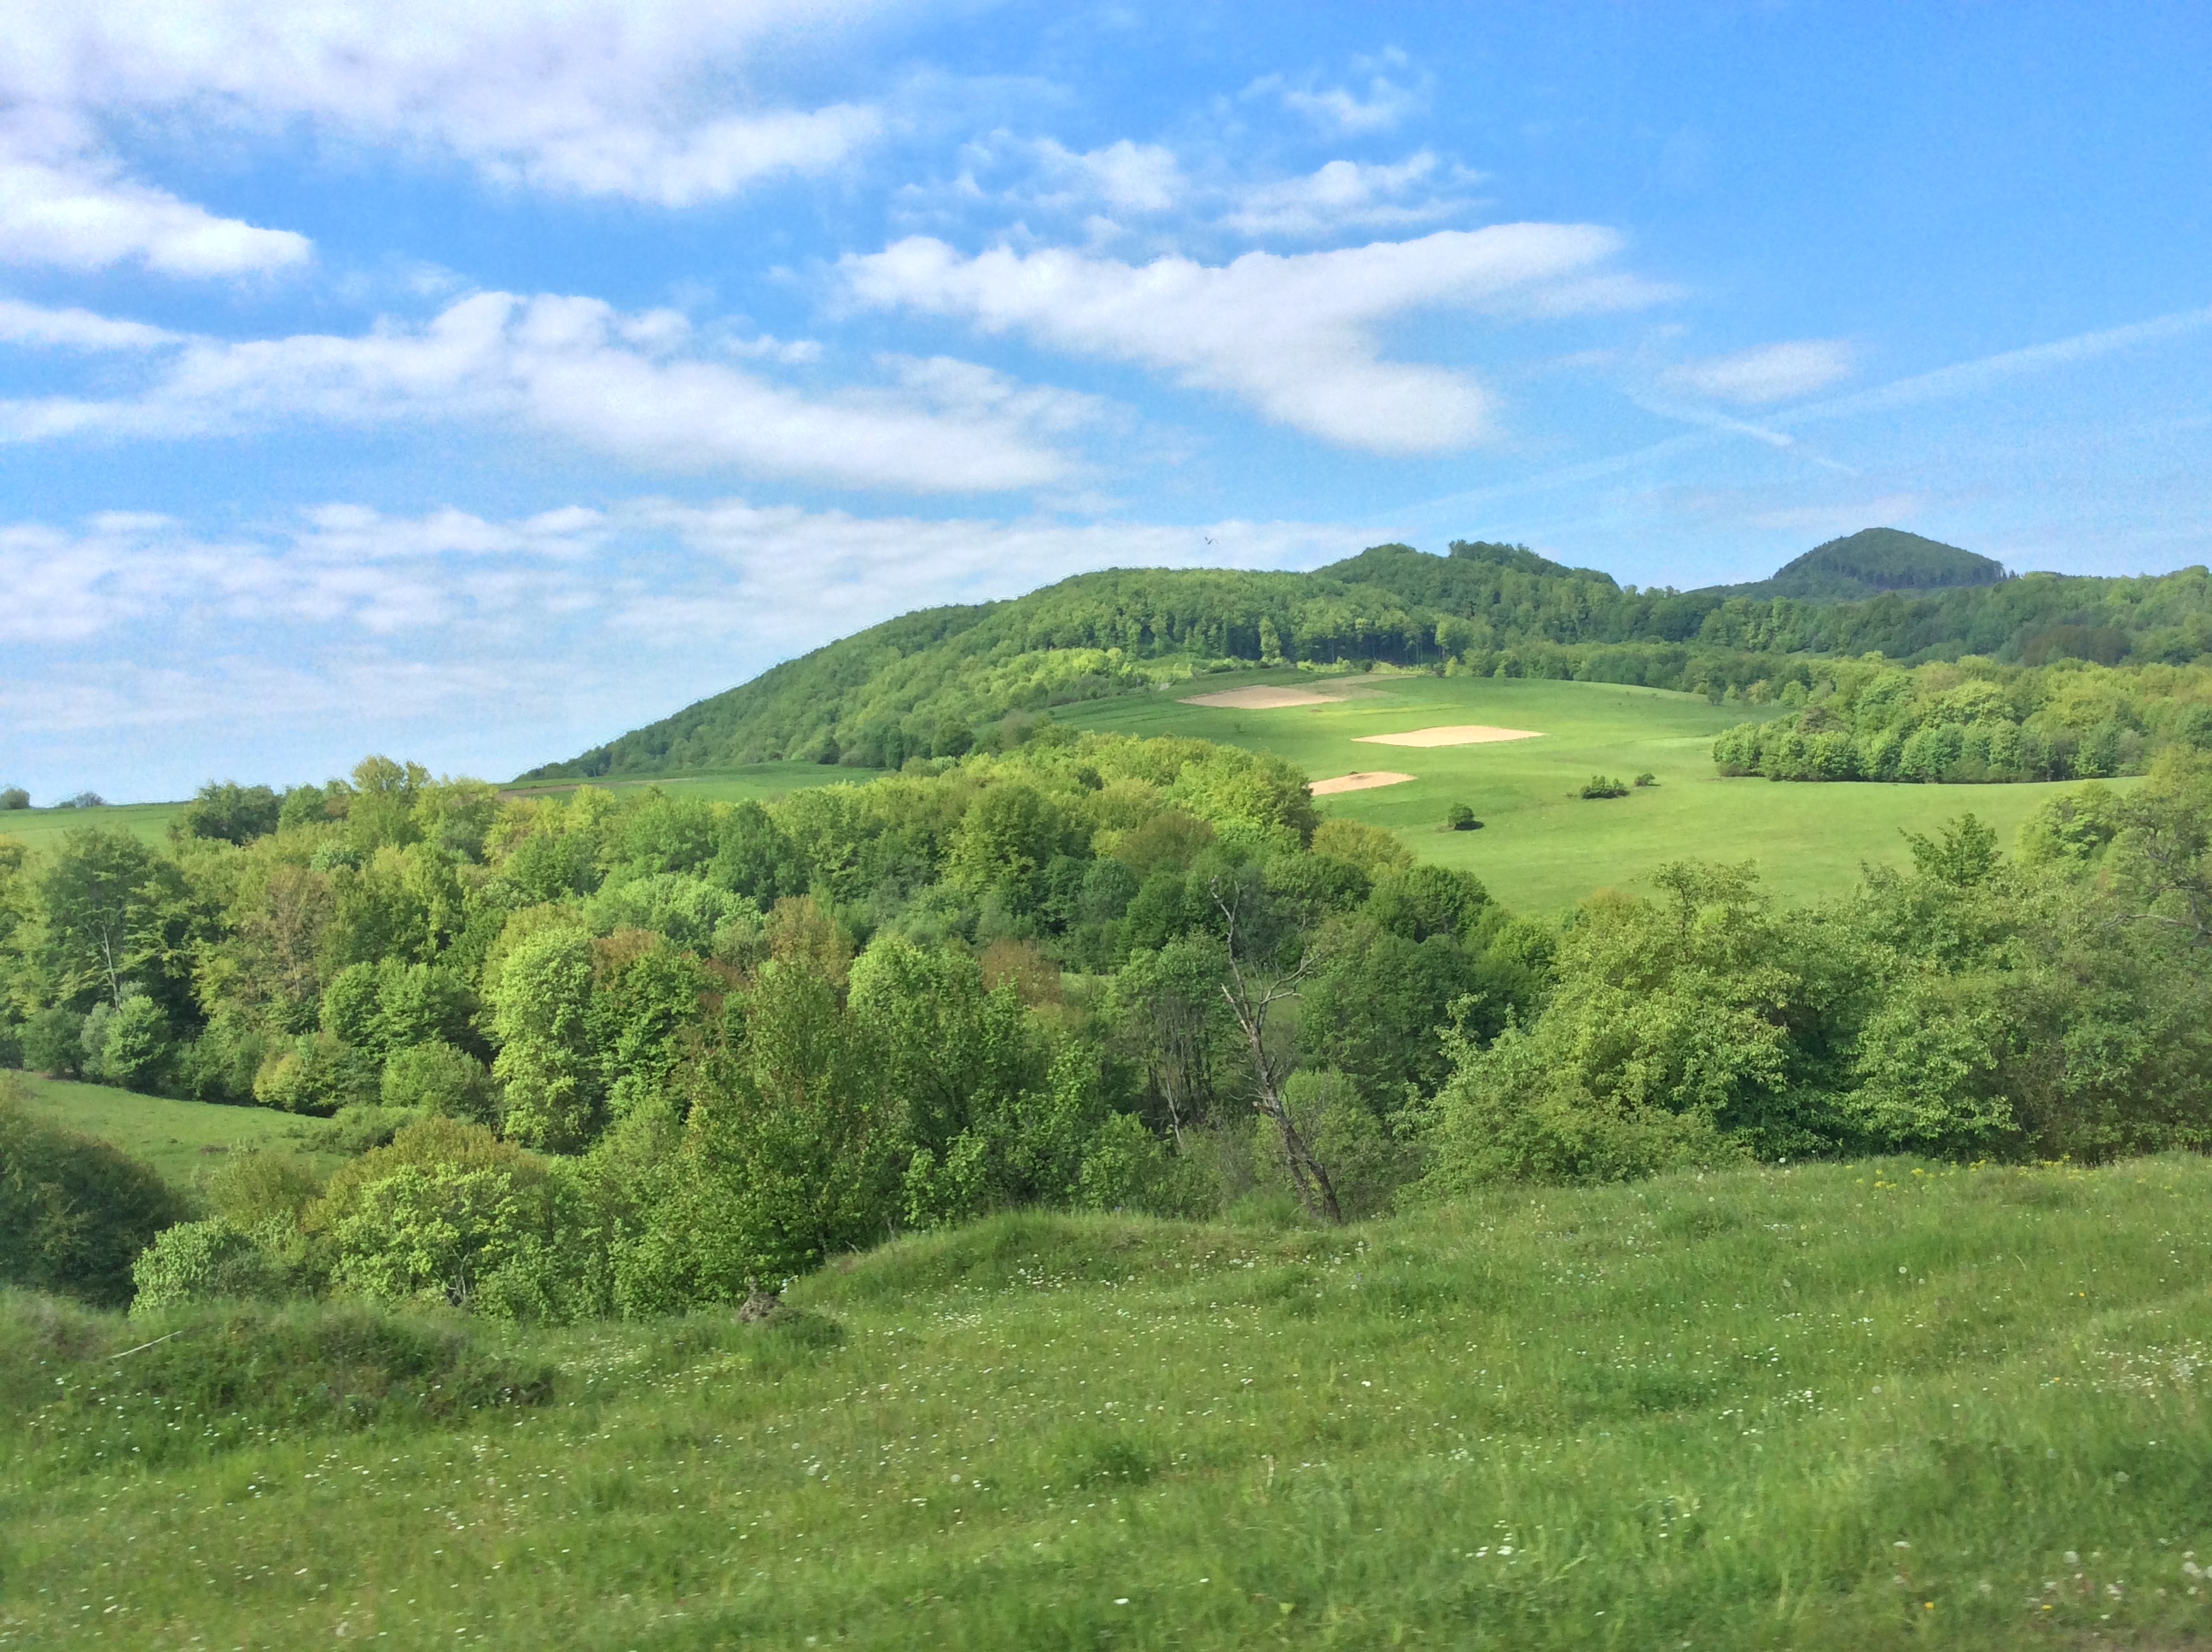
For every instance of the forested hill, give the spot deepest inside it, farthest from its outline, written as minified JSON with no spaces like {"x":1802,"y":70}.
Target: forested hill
{"x":938,"y":680}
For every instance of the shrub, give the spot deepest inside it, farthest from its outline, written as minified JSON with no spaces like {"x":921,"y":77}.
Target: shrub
{"x":1599,"y":787}
{"x":73,"y":1212}
{"x":436,"y":1078}
{"x":1460,"y":818}
{"x":53,"y":1043}
{"x":126,"y":1043}
{"x":13,"y":797}
{"x":1647,"y":778}
{"x":205,"y":1261}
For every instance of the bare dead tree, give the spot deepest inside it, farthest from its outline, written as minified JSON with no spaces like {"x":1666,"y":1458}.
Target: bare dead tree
{"x":1252,"y":991}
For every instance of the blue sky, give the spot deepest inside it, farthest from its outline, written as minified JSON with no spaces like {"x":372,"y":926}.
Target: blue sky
{"x":473,"y":383}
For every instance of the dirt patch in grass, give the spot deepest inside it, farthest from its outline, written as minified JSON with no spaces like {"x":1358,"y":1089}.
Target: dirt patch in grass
{"x":1358,"y":782}
{"x":1457,"y":734}
{"x":1262,"y":698}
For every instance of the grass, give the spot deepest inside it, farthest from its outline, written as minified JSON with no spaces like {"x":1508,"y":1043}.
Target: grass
{"x":1862,"y":1406}
{"x":181,"y":1140}
{"x":754,"y":782}
{"x":1543,"y":847}
{"x":42,"y":828}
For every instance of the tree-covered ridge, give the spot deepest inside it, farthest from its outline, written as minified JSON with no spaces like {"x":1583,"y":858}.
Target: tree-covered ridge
{"x":1973,"y":720}
{"x":935,"y":684}
{"x":1872,"y":560}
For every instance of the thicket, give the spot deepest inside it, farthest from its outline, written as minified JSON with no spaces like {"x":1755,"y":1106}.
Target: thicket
{"x":1971,"y":720}
{"x":941,"y":682}
{"x":627,"y":1056}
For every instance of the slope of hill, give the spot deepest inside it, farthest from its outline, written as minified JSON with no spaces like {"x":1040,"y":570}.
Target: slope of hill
{"x":1845,"y":1405}
{"x":933,"y":682}
{"x":1872,"y":560}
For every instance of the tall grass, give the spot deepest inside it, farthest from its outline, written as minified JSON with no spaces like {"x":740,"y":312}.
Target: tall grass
{"x":1857,"y":1407}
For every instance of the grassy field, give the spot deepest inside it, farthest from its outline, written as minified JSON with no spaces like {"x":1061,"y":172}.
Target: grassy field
{"x":1873,"y":1406}
{"x":180,"y":1139}
{"x":1541,"y":847}
{"x":756,"y":782}
{"x":148,"y":822}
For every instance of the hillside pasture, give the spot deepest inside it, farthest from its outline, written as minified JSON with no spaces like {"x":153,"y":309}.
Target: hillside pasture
{"x":1868,"y":1405}
{"x":1543,"y":847}
{"x":182,"y":1140}
{"x":753,"y":783}
{"x":40,"y":828}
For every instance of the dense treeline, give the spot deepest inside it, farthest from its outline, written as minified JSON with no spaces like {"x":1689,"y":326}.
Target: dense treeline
{"x":936,"y":683}
{"x":629,"y":1054}
{"x":1973,"y":720}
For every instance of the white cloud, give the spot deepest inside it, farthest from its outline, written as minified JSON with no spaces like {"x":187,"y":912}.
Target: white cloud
{"x":1294,"y":335}
{"x":616,"y":383}
{"x":150,"y":658}
{"x":1130,"y":177}
{"x":78,"y":213}
{"x":656,"y":100}
{"x":1380,"y":107}
{"x":1772,"y":373}
{"x":78,"y":330}
{"x":1344,"y":194}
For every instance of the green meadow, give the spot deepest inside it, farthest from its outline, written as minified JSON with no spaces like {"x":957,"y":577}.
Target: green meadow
{"x":752,"y":783}
{"x":39,"y":828}
{"x":1542,"y":847}
{"x":1891,"y":1404}
{"x":182,"y":1140}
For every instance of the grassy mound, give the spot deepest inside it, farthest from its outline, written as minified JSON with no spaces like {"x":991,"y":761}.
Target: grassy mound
{"x":1858,"y":1406}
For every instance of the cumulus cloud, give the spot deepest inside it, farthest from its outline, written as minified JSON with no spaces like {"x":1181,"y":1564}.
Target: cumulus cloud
{"x":1346,"y":194}
{"x":629,"y":384}
{"x":77,"y":212}
{"x":1772,"y":373}
{"x":33,"y":325}
{"x":1382,"y":104}
{"x":652,"y":99}
{"x":149,"y":650}
{"x":1292,"y":336}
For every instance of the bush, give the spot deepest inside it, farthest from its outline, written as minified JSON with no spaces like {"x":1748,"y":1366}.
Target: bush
{"x":126,"y":1043}
{"x":196,"y":1262}
{"x":73,"y":1212}
{"x":436,"y":1078}
{"x":1647,"y":778}
{"x":13,"y":797}
{"x":1460,"y":818}
{"x":53,"y":1043}
{"x":1599,"y":787}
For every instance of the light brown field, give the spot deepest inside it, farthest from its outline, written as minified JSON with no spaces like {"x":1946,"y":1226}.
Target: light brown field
{"x":1458,"y":734}
{"x":1262,"y":698}
{"x":1359,"y":782}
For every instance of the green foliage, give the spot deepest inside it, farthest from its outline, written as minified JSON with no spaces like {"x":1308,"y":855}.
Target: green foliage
{"x":13,"y":797}
{"x":73,"y":1212}
{"x":1874,"y":560}
{"x":1599,"y":785}
{"x":541,"y":1008}
{"x":436,"y":1078}
{"x":126,"y":1043}
{"x":1976,"y":720}
{"x":198,"y":1262}
{"x":232,"y":813}
{"x":53,"y":1042}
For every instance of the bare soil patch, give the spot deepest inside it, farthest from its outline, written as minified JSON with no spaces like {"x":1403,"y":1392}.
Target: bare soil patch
{"x":1363,"y":781}
{"x":1458,"y":734}
{"x":1262,"y":698}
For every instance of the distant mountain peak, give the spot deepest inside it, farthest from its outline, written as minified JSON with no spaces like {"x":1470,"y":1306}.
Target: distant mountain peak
{"x":1874,"y":560}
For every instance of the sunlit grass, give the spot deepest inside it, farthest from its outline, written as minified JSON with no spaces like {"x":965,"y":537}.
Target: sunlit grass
{"x":1543,"y":847}
{"x":183,"y":1140}
{"x":1837,"y":1406}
